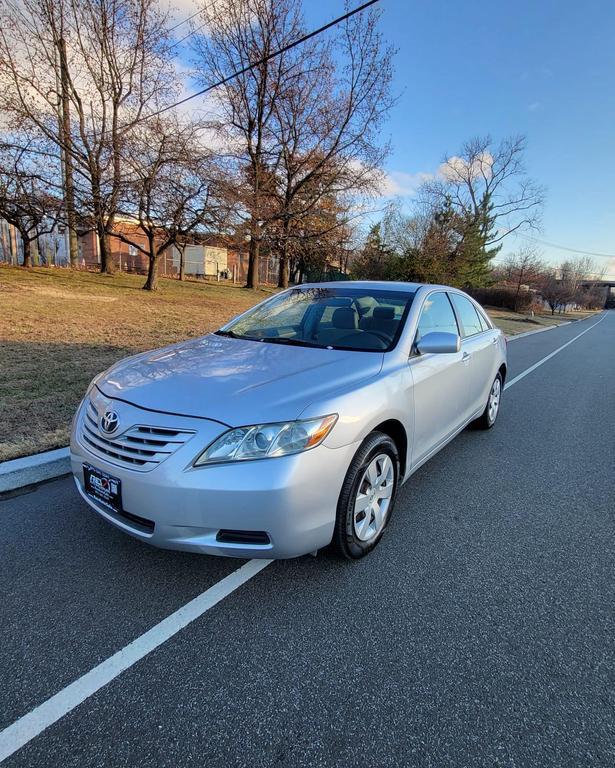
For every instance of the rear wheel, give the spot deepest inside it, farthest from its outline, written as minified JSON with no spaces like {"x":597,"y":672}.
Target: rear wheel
{"x":488,"y":417}
{"x":367,"y":498}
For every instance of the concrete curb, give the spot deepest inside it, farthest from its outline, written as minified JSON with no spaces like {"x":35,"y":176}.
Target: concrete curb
{"x":18,"y":473}
{"x":541,"y":330}
{"x":550,"y":327}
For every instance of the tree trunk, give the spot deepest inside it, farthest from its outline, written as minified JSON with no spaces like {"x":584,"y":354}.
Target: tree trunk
{"x":182,"y":262}
{"x":67,"y":157}
{"x":27,"y":250}
{"x":107,"y":267}
{"x":151,"y":284}
{"x":284,"y":265}
{"x":516,"y":302}
{"x":253,"y":263}
{"x":73,"y":247}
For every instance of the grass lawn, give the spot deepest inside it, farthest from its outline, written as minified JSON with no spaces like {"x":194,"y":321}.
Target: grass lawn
{"x":513,"y":322}
{"x":59,"y":329}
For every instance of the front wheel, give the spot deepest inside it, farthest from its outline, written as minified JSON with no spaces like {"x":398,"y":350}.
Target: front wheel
{"x":367,"y":497}
{"x":488,"y":417}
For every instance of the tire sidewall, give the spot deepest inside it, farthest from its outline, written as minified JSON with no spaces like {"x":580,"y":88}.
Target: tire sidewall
{"x":347,"y":541}
{"x":490,"y":423}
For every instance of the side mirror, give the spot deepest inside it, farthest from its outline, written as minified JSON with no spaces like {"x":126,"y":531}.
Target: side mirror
{"x":439,"y":343}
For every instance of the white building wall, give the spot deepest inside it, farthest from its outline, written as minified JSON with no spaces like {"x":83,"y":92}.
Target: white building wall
{"x":51,"y":249}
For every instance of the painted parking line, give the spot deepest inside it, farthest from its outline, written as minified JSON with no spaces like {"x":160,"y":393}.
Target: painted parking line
{"x":529,"y":370}
{"x":19,"y":733}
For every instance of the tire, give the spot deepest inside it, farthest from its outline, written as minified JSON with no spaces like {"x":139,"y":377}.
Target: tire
{"x":378,"y":454}
{"x":488,"y":417}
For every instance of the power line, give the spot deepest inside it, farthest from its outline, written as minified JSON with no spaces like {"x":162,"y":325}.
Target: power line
{"x":206,"y":9}
{"x":189,"y":34}
{"x":566,"y":248}
{"x":184,"y":21}
{"x":247,"y":68}
{"x":264,"y":60}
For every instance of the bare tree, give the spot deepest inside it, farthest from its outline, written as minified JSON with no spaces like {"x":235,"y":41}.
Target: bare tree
{"x":82,"y":73}
{"x":301,"y":126}
{"x":241,"y":33}
{"x":553,"y":291}
{"x":327,"y":124}
{"x":485,"y":174}
{"x":172,"y":190}
{"x":29,"y":200}
{"x":524,"y":268}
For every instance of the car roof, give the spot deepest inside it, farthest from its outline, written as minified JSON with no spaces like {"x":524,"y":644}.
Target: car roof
{"x":384,"y":285}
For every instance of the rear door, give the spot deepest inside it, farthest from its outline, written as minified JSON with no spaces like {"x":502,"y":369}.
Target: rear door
{"x":439,"y":381}
{"x":479,"y":350}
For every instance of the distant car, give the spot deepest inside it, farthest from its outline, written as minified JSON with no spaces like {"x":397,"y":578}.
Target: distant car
{"x":292,"y":426}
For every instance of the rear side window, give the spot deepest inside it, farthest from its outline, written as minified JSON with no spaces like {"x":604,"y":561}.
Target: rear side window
{"x":470,"y":321}
{"x":483,"y":321}
{"x":437,"y":315}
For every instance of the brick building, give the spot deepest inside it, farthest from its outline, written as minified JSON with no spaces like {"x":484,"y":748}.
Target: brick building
{"x":207,"y":256}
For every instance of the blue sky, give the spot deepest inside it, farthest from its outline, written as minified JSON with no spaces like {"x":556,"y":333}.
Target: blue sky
{"x":545,"y":69}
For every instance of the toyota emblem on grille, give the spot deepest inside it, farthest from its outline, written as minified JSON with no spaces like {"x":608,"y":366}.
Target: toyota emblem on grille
{"x":109,"y":422}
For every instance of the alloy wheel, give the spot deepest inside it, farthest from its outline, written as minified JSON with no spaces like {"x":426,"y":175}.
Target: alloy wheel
{"x":494,"y":400}
{"x":373,"y":497}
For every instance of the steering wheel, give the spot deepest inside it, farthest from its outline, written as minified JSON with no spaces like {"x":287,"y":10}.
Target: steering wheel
{"x":381,"y":335}
{"x":382,"y":338}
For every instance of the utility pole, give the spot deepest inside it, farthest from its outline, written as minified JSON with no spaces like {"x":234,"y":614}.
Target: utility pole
{"x":66,"y":139}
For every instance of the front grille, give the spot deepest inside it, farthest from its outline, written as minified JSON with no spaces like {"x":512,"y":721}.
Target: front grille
{"x":140,"y":447}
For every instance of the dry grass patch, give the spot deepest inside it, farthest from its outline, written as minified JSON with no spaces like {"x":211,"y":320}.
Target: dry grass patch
{"x":513,"y":323}
{"x":59,"y":329}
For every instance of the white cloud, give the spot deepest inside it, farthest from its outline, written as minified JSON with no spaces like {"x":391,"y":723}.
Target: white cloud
{"x":402,"y":184}
{"x":457,"y":167}
{"x":610,"y":267}
{"x":178,"y":9}
{"x":535,"y":106}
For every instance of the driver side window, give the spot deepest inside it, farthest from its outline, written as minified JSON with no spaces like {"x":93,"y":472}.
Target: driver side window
{"x":437,"y":315}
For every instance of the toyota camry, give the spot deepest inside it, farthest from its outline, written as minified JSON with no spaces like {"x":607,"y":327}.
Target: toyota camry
{"x":294,"y":425}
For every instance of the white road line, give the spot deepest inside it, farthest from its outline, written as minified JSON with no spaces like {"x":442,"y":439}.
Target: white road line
{"x":19,"y":733}
{"x":27,"y":727}
{"x":529,"y":370}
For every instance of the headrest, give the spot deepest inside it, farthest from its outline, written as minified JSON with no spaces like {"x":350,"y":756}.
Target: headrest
{"x":384,"y":313}
{"x":364,"y":304}
{"x":344,"y":317}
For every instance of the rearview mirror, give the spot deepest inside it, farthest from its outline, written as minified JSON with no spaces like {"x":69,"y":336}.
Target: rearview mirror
{"x":439,"y":343}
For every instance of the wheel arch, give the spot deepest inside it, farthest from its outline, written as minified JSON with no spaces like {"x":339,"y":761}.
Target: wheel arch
{"x":502,"y":372}
{"x":397,"y":432}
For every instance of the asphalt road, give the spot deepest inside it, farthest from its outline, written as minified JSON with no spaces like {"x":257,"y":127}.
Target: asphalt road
{"x":479,"y":633}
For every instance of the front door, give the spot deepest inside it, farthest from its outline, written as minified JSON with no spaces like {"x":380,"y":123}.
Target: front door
{"x":439,"y":381}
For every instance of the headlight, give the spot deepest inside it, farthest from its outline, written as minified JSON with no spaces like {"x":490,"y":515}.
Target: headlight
{"x":92,"y":384}
{"x":266,"y":441}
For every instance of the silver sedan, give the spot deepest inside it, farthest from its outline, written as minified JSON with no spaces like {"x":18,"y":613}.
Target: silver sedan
{"x":293,"y":426}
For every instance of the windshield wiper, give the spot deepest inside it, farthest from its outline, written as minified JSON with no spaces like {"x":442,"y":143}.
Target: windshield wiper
{"x":230,"y":334}
{"x":290,"y":342}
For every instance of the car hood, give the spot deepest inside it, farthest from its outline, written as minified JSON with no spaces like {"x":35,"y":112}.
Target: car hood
{"x":234,"y":381}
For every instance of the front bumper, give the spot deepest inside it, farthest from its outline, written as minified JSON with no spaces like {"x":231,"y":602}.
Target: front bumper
{"x":293,"y":499}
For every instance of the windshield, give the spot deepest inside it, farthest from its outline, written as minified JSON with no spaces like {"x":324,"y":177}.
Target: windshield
{"x":362,"y":319}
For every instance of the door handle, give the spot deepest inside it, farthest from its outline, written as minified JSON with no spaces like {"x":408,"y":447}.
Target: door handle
{"x":466,"y":357}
